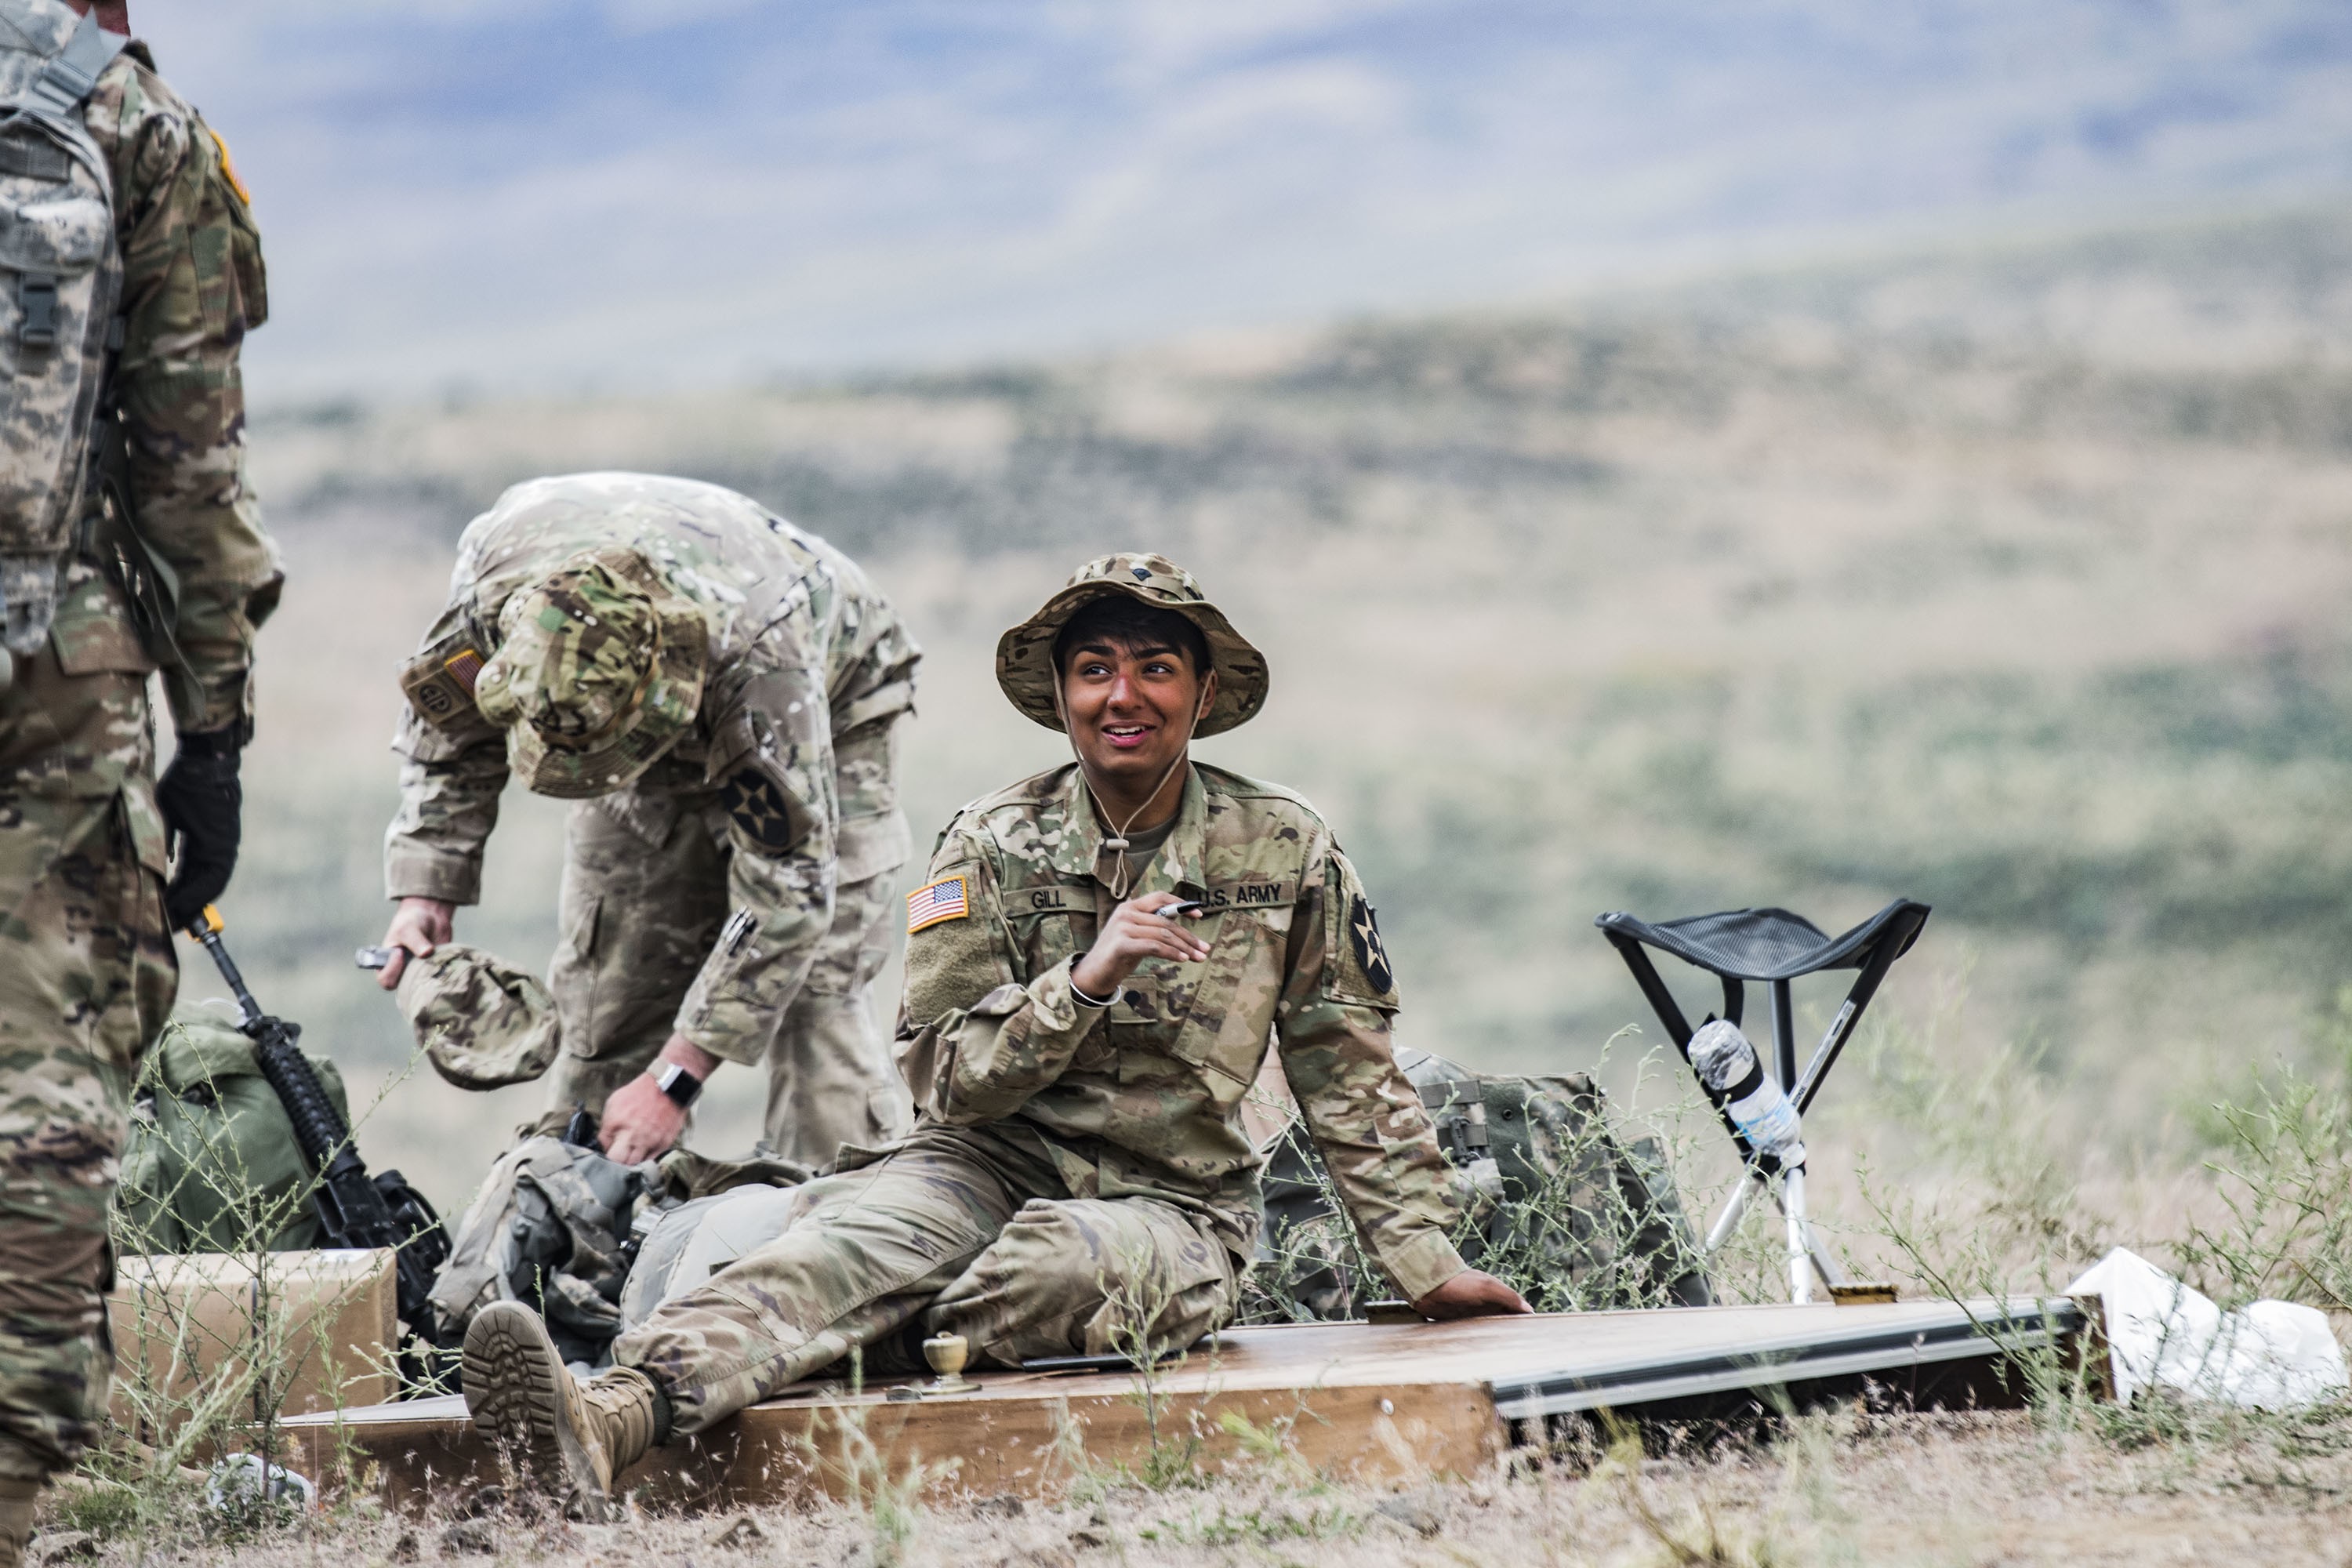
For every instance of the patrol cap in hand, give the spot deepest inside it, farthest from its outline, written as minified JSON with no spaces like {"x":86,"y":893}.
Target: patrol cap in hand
{"x":598,"y":672}
{"x":1025,"y":655}
{"x":484,"y":1023}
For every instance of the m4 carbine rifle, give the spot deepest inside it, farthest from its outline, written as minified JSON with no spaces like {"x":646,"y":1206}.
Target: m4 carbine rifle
{"x":354,"y":1208}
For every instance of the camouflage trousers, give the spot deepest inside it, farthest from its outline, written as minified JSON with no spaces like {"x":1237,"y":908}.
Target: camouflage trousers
{"x":641,"y":908}
{"x":86,"y":979}
{"x":972,"y":1230}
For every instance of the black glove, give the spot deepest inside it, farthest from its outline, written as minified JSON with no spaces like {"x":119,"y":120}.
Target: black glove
{"x":204,"y":807}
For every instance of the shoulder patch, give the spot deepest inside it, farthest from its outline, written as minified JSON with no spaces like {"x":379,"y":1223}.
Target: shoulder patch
{"x":439,"y":684}
{"x":228,"y":169}
{"x":757,"y":807}
{"x":1364,"y":937}
{"x":464,"y":668}
{"x":945,"y":900}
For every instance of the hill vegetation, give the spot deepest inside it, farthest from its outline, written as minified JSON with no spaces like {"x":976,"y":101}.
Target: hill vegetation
{"x":2011,"y":580}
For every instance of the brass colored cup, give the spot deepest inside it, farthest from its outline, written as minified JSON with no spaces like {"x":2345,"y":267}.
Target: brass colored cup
{"x":947,"y":1354}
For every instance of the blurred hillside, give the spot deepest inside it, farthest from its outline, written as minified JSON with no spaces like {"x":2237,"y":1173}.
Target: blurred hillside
{"x":2011,"y":580}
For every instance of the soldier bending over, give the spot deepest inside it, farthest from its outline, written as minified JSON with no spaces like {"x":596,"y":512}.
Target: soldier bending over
{"x":720,"y":693}
{"x":1094,"y":970}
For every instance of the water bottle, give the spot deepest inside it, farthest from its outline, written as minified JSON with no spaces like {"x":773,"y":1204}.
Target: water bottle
{"x":1759,"y":1106}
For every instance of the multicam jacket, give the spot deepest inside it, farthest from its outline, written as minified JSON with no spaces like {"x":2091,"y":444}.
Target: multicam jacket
{"x":1145,"y":1097}
{"x":806,"y":658}
{"x":192,"y":287}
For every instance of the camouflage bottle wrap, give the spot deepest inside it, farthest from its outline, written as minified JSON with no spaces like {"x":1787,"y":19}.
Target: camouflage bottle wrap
{"x":1144,"y":1098}
{"x":779,"y":791}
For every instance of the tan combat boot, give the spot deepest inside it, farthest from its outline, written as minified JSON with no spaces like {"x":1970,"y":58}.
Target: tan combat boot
{"x":18,"y":1497}
{"x":572,"y":1437}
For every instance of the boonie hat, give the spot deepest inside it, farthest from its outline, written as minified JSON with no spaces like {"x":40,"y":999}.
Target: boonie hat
{"x":483,"y":1022}
{"x":1025,"y":655}
{"x":598,"y":672}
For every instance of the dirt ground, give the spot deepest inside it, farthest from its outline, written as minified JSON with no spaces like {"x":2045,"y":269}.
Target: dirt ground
{"x":1978,"y":1490}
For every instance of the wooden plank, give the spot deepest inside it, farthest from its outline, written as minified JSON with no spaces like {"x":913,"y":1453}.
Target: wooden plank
{"x":1035,"y":1447}
{"x":1373,"y":1403}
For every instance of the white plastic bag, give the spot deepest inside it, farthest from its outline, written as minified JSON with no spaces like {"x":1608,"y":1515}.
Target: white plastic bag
{"x":2271,"y":1354}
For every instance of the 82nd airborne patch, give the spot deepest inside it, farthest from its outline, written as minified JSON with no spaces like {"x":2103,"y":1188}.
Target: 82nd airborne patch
{"x":1364,"y":936}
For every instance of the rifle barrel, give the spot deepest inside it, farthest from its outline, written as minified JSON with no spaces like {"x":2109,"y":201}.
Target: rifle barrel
{"x":206,"y":929}
{"x":352,"y":1207}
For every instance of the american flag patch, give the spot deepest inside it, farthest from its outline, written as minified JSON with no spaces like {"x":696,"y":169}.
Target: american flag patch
{"x":464,"y":668}
{"x":942,"y":900}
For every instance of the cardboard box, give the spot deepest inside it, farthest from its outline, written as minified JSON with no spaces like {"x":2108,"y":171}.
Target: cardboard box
{"x":190,"y":1328}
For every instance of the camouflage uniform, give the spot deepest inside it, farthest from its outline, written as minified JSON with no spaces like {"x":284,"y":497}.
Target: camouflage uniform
{"x":1081,"y":1178}
{"x":737,"y":890}
{"x":89,"y":976}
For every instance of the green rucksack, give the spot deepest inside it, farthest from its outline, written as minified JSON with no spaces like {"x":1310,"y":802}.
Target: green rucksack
{"x":212,"y":1165}
{"x":1556,"y":1203}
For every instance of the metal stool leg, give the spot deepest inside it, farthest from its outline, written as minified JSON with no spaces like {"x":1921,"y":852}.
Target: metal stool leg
{"x":1735,"y":1208}
{"x":1792,"y":1181}
{"x":1801,"y":1255}
{"x":1784,"y":1039}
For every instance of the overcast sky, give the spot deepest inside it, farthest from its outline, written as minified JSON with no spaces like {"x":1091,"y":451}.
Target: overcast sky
{"x":527,"y":192}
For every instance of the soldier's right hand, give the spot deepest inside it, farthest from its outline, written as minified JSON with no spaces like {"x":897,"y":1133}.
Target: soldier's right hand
{"x":204,"y":807}
{"x":1135,"y":932}
{"x":418,"y":926}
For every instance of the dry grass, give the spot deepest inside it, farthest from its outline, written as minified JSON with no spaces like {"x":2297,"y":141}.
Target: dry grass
{"x":1841,"y":1488}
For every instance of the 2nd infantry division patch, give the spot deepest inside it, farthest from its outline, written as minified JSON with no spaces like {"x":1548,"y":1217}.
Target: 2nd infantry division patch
{"x":755,"y":802}
{"x":941,"y":901}
{"x":1364,"y":936}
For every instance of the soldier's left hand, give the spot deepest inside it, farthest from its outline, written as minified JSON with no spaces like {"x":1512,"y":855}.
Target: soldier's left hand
{"x":204,"y":808}
{"x":1471,"y":1294}
{"x":640,"y":1122}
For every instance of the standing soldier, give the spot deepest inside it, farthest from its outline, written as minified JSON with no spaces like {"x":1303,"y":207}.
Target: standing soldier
{"x":1096,"y":970}
{"x":719,"y":694}
{"x":130,"y":272}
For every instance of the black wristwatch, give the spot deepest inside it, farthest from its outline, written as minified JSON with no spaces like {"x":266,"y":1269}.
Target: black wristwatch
{"x":680,"y":1084}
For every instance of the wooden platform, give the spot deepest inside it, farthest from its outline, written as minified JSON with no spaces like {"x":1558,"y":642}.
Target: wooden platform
{"x":1373,"y":1403}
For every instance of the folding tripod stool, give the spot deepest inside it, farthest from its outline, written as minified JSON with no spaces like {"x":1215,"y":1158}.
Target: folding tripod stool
{"x":1774,"y":947}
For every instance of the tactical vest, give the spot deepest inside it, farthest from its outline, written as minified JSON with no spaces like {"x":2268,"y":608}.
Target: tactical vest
{"x":60,"y":282}
{"x":551,"y":1227}
{"x":559,"y":1227}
